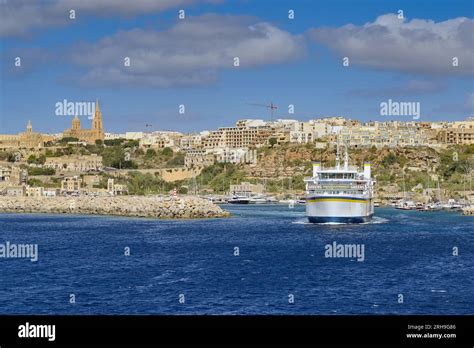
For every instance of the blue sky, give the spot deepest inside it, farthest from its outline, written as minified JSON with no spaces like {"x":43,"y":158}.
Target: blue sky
{"x":189,"y":61}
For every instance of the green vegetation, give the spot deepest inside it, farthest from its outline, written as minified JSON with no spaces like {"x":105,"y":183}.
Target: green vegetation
{"x":167,"y":152}
{"x":35,"y":182}
{"x":141,"y":184}
{"x":40,"y":171}
{"x":220,"y":176}
{"x":66,"y":140}
{"x":36,"y":160}
{"x":177,"y":160}
{"x":114,"y":142}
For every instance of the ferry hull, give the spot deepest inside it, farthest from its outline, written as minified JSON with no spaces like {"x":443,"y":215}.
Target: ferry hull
{"x":341,"y":220}
{"x":340,"y":210}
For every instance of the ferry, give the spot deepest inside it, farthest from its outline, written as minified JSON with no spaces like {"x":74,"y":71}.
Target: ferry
{"x":342,"y":194}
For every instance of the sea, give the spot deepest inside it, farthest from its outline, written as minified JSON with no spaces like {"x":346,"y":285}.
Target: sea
{"x":265,"y":259}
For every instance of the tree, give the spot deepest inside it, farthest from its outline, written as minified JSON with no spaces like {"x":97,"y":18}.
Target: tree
{"x":68,"y":139}
{"x":167,"y":152}
{"x":31,"y":159}
{"x":11,"y":157}
{"x":150,"y":153}
{"x":41,"y":159}
{"x":272,"y":141}
{"x":177,"y":160}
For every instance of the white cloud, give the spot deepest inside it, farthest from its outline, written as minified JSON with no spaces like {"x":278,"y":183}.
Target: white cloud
{"x":409,"y":88}
{"x":414,"y":46}
{"x":189,"y":53}
{"x":22,"y":17}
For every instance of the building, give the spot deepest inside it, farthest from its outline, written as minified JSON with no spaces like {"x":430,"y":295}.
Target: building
{"x":88,"y":135}
{"x":461,"y":132}
{"x":75,"y":163}
{"x":246,"y":133}
{"x":230,"y":155}
{"x":379,"y":134}
{"x":134,"y":135}
{"x":5,"y":174}
{"x":15,"y":191}
{"x":50,"y":192}
{"x":34,"y":191}
{"x":27,"y":140}
{"x":193,"y":141}
{"x":247,"y":189}
{"x":116,"y":189}
{"x":71,"y":185}
{"x":160,"y":140}
{"x":198,"y":158}
{"x":13,"y":176}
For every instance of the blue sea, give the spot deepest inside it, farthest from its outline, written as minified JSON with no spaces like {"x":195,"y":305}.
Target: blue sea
{"x":262,"y":260}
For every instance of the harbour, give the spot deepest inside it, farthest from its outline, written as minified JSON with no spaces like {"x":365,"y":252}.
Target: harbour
{"x":280,"y":253}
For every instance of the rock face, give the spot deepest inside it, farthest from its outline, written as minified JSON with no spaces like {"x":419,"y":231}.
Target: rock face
{"x":136,"y":206}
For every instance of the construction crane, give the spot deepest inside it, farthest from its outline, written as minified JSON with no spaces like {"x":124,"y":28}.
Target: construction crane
{"x":272,"y":107}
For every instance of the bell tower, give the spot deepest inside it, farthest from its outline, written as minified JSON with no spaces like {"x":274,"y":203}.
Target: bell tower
{"x":97,"y":122}
{"x":76,"y":123}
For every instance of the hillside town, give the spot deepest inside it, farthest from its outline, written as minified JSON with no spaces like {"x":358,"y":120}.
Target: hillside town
{"x":254,"y":157}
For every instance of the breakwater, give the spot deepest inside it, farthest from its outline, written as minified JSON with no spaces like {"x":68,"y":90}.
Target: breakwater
{"x":134,"y":206}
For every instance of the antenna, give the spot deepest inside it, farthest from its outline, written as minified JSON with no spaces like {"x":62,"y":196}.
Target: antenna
{"x":272,"y":107}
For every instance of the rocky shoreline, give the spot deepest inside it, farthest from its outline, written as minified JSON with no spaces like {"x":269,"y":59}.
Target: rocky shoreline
{"x":468,"y":210}
{"x":133,"y":206}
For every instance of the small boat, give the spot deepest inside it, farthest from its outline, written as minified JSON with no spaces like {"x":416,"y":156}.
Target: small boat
{"x":239,"y":200}
{"x":419,"y":206}
{"x":433,"y":207}
{"x":406,"y":205}
{"x":258,"y":200}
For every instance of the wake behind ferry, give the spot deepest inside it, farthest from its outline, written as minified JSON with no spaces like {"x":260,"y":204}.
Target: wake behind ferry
{"x":339,"y":194}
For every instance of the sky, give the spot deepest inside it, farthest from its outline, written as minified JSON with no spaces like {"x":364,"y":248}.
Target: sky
{"x":406,"y":56}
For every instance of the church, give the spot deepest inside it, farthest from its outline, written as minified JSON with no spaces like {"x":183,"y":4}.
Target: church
{"x":88,"y":135}
{"x":25,"y":140}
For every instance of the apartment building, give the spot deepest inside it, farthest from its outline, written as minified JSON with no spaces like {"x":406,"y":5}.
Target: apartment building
{"x":71,"y":185}
{"x":247,"y":189}
{"x":246,"y":133}
{"x":463,"y":136}
{"x":198,"y":158}
{"x":75,"y":163}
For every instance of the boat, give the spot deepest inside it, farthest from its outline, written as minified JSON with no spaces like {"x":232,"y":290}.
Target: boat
{"x":258,"y":200}
{"x":432,"y":207}
{"x":342,"y":194}
{"x":239,"y":200}
{"x":406,"y":205}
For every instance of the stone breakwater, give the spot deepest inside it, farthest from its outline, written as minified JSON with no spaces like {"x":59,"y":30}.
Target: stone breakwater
{"x":468,"y":210}
{"x":136,"y":206}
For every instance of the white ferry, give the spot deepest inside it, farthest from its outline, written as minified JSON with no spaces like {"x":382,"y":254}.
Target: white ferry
{"x":339,"y":194}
